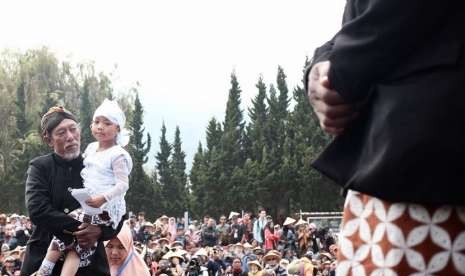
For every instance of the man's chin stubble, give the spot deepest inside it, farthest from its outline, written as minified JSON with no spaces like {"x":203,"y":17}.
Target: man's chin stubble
{"x":72,"y":155}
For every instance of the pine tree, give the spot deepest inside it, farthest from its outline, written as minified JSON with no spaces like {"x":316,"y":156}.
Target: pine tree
{"x":233,"y":128}
{"x":210,"y":193}
{"x":232,"y":149}
{"x":258,"y":119}
{"x":178,"y":170}
{"x":140,"y":188}
{"x":21,"y":122}
{"x":164,"y":170}
{"x":310,"y":190}
{"x":197,"y":183}
{"x":85,"y":115}
{"x":214,"y":133}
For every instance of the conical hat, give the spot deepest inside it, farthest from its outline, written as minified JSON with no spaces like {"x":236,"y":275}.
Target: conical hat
{"x":168,"y":255}
{"x":270,"y":254}
{"x":288,"y":221}
{"x":255,"y":262}
{"x":301,"y":222}
{"x":177,"y":254}
{"x":233,"y":214}
{"x":201,"y":252}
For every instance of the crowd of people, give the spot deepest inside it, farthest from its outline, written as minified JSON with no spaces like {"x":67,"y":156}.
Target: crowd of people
{"x":238,"y":244}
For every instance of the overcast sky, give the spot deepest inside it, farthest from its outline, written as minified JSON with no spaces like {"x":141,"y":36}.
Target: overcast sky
{"x":181,"y":52}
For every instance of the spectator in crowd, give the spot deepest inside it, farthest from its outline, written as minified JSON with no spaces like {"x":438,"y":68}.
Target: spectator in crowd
{"x":223,"y":230}
{"x":2,"y":226}
{"x":289,"y":236}
{"x":259,"y":227}
{"x":209,"y":234}
{"x":201,"y":259}
{"x":204,"y":224}
{"x":248,"y":227}
{"x":333,"y":250}
{"x":216,"y":264}
{"x":271,"y":261}
{"x":132,"y":226}
{"x":236,"y":268}
{"x":179,"y":236}
{"x":164,"y":268}
{"x":272,"y":235}
{"x":175,"y":259}
{"x":315,"y":241}
{"x":237,"y":250}
{"x":140,"y":220}
{"x":303,"y":237}
{"x":145,"y":232}
{"x":9,"y":236}
{"x":303,"y":266}
{"x":172,"y":228}
{"x":247,"y":256}
{"x":255,"y":268}
{"x":8,"y":268}
{"x":122,"y":256}
{"x":237,"y":229}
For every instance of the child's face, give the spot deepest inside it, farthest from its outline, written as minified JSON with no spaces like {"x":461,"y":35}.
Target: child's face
{"x":104,"y":130}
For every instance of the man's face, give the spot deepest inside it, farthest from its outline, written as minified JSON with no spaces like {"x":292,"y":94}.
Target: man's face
{"x":148,"y":229}
{"x":236,"y":264}
{"x":272,"y":261}
{"x":263,"y":214}
{"x":9,"y":266}
{"x":9,"y":230}
{"x":65,"y":139}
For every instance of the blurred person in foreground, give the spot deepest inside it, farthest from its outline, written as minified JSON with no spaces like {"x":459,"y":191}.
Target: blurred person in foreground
{"x":390,"y":85}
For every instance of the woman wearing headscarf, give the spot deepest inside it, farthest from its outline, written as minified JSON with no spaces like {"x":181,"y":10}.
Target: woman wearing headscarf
{"x":122,"y":256}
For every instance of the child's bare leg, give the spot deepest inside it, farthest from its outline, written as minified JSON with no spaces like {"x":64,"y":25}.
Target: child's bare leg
{"x":52,"y":256}
{"x":71,"y":264}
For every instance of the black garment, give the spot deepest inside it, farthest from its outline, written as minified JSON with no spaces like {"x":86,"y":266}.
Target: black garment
{"x":237,"y":273}
{"x":209,"y":236}
{"x":237,"y":232}
{"x":404,"y":61}
{"x":48,"y":202}
{"x":214,"y":266}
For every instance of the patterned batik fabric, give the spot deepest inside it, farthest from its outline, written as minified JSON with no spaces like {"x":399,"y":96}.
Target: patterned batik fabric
{"x":383,"y":238}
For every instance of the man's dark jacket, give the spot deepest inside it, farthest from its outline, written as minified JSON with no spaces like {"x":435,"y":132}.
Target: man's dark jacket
{"x":403,"y":62}
{"x":48,"y":202}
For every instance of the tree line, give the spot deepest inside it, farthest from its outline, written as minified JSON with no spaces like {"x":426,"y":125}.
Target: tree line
{"x":263,"y":161}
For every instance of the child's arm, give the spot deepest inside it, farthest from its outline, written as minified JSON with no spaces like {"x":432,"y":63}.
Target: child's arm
{"x":121,"y":171}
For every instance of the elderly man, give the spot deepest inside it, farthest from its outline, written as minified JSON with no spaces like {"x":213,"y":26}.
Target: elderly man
{"x":48,"y":200}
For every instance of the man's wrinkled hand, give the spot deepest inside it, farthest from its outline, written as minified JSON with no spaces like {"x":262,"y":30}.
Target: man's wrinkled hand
{"x":333,"y":113}
{"x":88,"y":235}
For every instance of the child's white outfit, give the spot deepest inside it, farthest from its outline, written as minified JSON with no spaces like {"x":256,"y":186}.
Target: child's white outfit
{"x":106,"y":173}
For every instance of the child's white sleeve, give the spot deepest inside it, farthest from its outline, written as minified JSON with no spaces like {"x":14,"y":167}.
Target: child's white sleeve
{"x":121,"y":172}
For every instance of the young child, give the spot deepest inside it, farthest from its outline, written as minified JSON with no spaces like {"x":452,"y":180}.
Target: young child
{"x":106,"y":178}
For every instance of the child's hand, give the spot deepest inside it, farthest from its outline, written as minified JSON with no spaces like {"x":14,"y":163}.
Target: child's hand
{"x":96,"y":201}
{"x":53,"y":252}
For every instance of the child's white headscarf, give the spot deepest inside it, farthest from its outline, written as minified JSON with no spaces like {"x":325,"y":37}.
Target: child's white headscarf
{"x":112,"y":111}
